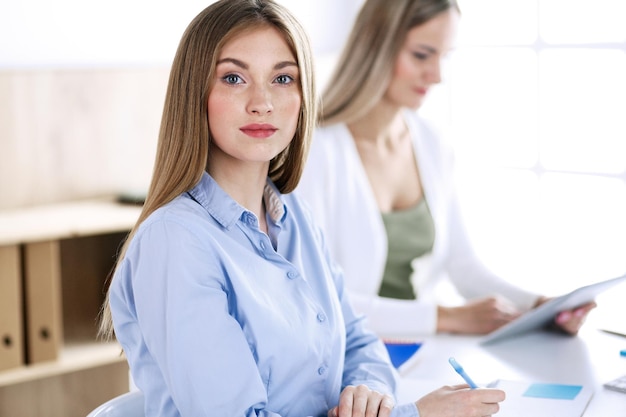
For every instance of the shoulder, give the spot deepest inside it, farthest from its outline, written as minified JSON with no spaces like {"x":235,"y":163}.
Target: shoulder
{"x":329,"y":137}
{"x":330,"y":145}
{"x":423,"y":130}
{"x":182,"y":218}
{"x":300,"y":215}
{"x":332,"y":141}
{"x":428,"y":138}
{"x":298,"y":208}
{"x":334,"y":131}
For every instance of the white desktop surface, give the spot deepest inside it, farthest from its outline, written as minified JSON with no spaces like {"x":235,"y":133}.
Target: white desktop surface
{"x":591,"y":358}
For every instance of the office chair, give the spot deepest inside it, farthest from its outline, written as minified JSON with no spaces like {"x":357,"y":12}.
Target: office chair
{"x":129,"y":404}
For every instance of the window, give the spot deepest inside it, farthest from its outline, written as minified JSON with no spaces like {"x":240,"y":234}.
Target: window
{"x":534,"y":100}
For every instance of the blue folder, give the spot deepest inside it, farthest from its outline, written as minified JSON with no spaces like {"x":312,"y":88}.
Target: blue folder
{"x":400,"y":352}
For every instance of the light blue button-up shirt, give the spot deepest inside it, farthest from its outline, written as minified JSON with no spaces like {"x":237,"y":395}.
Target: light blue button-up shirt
{"x":217,"y":318}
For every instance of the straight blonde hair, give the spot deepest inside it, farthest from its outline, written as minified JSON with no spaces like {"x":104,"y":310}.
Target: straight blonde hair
{"x":365,"y":65}
{"x":184,"y":138}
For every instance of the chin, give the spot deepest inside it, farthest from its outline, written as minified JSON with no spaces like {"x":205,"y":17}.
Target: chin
{"x":414,"y":103}
{"x":414,"y":106}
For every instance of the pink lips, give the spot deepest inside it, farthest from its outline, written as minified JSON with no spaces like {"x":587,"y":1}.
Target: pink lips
{"x":259,"y":130}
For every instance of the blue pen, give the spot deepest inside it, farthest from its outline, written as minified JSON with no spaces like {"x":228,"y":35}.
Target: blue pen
{"x":622,"y":352}
{"x":459,"y":369}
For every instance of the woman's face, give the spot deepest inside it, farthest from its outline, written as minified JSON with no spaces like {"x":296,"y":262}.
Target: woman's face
{"x":255,"y":98}
{"x":418,"y":64}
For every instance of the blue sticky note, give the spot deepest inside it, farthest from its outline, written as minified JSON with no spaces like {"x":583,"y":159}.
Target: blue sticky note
{"x":400,"y":352}
{"x":553,"y":391}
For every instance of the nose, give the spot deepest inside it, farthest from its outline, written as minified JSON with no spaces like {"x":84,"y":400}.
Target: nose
{"x":260,"y":102}
{"x":434,"y":72}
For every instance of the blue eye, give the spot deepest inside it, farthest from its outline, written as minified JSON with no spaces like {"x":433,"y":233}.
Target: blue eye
{"x":232,"y":79}
{"x":284,"y":79}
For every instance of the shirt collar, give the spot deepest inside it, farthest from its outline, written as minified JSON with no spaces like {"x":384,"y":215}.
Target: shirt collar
{"x":227,"y":211}
{"x":274,"y":204}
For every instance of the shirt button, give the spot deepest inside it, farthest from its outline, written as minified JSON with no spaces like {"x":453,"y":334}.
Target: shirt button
{"x":262,"y":245}
{"x":321,"y":370}
{"x":292,"y":274}
{"x":321,"y":317}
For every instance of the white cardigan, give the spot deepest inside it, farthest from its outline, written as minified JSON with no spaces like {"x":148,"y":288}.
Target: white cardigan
{"x":336,"y":187}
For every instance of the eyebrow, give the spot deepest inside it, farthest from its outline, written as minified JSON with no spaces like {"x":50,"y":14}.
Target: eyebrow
{"x":428,"y":48}
{"x":241,"y":64}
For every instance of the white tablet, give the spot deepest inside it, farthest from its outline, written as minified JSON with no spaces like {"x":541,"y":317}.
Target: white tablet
{"x":545,"y":313}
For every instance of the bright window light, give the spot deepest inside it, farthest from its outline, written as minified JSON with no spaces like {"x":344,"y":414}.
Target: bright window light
{"x":537,"y":96}
{"x":582,"y":226}
{"x":498,"y":22}
{"x":582,"y":21}
{"x":583,"y":103}
{"x":494,"y":102}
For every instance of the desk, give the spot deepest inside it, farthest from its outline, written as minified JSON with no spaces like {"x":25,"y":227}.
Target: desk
{"x":592,"y":359}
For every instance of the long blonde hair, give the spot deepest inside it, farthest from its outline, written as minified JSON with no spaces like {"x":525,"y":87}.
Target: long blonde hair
{"x":365,"y":65}
{"x":184,"y":137}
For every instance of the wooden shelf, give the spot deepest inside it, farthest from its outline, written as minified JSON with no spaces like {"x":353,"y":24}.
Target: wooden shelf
{"x":82,"y":378}
{"x":65,"y":220}
{"x":71,"y":358}
{"x":60,"y":258}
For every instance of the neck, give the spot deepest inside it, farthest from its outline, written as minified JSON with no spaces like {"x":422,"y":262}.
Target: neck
{"x":380,"y":125}
{"x":244,"y":183}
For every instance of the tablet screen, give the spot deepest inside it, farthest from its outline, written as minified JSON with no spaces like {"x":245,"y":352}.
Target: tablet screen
{"x":545,"y":313}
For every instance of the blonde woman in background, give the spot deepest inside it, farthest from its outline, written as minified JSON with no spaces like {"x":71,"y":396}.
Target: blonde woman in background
{"x":380,"y":182}
{"x":224,"y":299}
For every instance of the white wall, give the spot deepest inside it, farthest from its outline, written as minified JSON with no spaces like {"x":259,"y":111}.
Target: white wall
{"x":82,"y":86}
{"x":78,"y":33}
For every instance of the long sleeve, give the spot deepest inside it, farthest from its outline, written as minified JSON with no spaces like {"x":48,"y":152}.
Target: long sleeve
{"x":469,"y":274}
{"x":366,"y":359}
{"x":336,"y":187}
{"x":216,"y":317}
{"x":189,"y":345}
{"x":454,"y":254}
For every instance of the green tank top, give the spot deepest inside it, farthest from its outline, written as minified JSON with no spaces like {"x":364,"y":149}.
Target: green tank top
{"x":411,"y":234}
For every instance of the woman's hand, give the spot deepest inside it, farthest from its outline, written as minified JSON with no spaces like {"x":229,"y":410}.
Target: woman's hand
{"x":570,"y":321}
{"x":360,"y":401}
{"x":459,"y":401}
{"x":479,"y":316}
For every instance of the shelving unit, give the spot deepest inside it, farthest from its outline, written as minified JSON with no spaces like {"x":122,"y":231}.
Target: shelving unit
{"x":56,"y":260}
